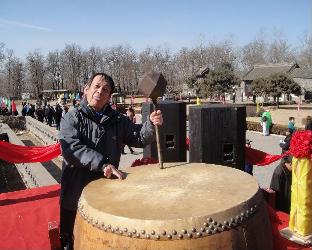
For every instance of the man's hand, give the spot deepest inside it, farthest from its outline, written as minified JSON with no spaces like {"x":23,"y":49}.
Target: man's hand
{"x":156,"y":118}
{"x":110,"y":169}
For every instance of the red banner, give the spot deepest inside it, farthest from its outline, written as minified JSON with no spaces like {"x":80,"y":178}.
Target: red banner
{"x":22,"y":154}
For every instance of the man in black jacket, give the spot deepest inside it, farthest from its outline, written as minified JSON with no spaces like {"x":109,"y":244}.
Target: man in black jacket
{"x":91,"y":139}
{"x":281,"y":184}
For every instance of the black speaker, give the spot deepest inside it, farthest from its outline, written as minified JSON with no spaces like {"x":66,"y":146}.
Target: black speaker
{"x":172,"y":132}
{"x":4,"y":137}
{"x":217,"y":134}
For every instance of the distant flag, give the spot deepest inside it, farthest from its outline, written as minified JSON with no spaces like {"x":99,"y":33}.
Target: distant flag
{"x":3,"y":103}
{"x":9,"y":105}
{"x":13,"y":106}
{"x":198,"y":102}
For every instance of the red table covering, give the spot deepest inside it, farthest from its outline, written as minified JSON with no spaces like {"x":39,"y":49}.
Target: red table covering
{"x":24,"y":217}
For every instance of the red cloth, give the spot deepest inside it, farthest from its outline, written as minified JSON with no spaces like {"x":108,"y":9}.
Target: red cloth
{"x":21,"y":154}
{"x":24,"y":217}
{"x":259,"y":158}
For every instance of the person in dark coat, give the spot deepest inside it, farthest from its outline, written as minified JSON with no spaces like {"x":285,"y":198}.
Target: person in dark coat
{"x":281,"y":184}
{"x":91,"y":139}
{"x":248,"y":166}
{"x":40,"y":114}
{"x":285,"y":144}
{"x":58,"y":116}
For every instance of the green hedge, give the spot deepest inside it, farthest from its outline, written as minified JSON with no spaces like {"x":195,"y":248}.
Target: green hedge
{"x":275,"y":129}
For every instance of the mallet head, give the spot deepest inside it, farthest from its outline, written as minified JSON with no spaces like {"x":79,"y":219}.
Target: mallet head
{"x":152,"y":85}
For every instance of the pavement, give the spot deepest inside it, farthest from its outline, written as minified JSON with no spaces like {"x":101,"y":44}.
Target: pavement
{"x":270,"y":145}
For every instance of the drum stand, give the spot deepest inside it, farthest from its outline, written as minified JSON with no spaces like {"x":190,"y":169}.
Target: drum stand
{"x":299,"y":239}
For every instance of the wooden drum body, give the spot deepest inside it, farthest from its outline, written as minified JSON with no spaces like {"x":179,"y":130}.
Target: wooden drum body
{"x":184,"y":206}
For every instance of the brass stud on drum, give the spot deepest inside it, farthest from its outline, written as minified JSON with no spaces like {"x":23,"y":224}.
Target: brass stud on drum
{"x":193,"y":229}
{"x":189,"y":235}
{"x":157,"y":237}
{"x":138,"y":235}
{"x":247,"y":213}
{"x":152,"y":232}
{"x":125,"y":229}
{"x":169,"y":236}
{"x":109,"y":226}
{"x":116,"y":228}
{"x":174,"y":232}
{"x":184,"y":231}
{"x":180,"y":236}
{"x":148,"y":236}
{"x":199,"y":234}
{"x":134,"y":231}
{"x":205,"y":224}
{"x":163,"y":232}
{"x":130,"y":234}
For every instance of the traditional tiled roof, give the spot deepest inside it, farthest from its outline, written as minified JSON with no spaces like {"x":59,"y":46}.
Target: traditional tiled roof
{"x":265,"y":70}
{"x":202,"y":72}
{"x":305,"y":73}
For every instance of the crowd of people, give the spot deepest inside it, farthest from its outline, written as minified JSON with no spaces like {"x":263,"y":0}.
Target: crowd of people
{"x":46,"y":113}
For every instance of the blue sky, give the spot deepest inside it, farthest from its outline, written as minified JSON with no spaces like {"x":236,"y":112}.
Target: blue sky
{"x":27,"y":25}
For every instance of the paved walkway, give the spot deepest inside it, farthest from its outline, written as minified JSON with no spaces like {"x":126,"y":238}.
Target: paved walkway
{"x":268,"y":144}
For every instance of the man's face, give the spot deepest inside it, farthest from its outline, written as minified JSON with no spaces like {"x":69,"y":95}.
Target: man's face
{"x":98,"y":93}
{"x":288,"y":166}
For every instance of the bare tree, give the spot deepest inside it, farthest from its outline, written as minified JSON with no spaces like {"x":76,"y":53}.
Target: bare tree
{"x":53,"y":67}
{"x":72,"y":65}
{"x":120,"y":63}
{"x":305,"y":56}
{"x":94,"y":60}
{"x":35,"y":64}
{"x":8,"y":72}
{"x":2,"y":54}
{"x":280,"y":51}
{"x":17,"y":77}
{"x":254,"y":53}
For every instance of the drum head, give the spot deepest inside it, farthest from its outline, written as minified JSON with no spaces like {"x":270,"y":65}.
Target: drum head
{"x":183,"y":196}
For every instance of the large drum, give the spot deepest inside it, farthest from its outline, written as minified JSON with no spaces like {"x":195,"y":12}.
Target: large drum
{"x":184,"y":206}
